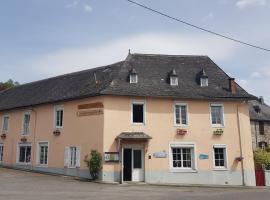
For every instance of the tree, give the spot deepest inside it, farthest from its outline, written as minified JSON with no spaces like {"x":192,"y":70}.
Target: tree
{"x":8,"y":84}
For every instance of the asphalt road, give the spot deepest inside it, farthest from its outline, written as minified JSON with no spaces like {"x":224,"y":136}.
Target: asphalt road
{"x":32,"y":186}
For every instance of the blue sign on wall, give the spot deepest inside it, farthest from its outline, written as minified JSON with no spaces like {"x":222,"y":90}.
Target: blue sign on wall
{"x":203,"y":157}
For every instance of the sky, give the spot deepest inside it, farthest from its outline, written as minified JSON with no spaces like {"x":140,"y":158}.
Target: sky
{"x":41,"y":39}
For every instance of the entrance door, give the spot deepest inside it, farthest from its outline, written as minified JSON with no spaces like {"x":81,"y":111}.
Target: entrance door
{"x":137,"y":168}
{"x":127,"y":165}
{"x":133,"y":164}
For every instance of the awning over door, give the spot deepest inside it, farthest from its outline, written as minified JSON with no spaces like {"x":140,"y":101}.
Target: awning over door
{"x":133,"y":136}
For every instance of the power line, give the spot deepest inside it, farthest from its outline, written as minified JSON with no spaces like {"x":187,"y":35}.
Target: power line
{"x":197,"y":27}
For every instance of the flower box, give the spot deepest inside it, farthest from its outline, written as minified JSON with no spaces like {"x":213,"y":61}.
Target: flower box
{"x":218,"y":132}
{"x":181,"y":131}
{"x":56,"y":132}
{"x":23,"y":139}
{"x":3,"y":136}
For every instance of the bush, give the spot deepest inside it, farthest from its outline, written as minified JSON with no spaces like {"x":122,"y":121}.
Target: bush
{"x":94,"y":163}
{"x":262,"y":159}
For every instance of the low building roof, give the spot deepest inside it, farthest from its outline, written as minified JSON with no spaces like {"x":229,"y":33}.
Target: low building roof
{"x":259,"y":111}
{"x":133,"y":135}
{"x":152,"y":71}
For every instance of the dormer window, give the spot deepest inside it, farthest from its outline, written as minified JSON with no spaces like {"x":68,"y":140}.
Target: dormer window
{"x":203,"y":79}
{"x":133,"y":76}
{"x":173,"y":78}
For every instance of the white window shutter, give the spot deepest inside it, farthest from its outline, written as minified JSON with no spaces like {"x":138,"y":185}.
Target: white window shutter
{"x":78,"y":155}
{"x":67,"y":157}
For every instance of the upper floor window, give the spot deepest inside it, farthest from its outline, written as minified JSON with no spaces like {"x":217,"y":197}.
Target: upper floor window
{"x":180,"y":112}
{"x":217,"y":113}
{"x":138,"y":112}
{"x":173,"y":78}
{"x":203,"y":79}
{"x":261,"y":127}
{"x":220,"y":156}
{"x":26,"y":123}
{"x":5,"y":123}
{"x":58,"y":116}
{"x":133,"y":76}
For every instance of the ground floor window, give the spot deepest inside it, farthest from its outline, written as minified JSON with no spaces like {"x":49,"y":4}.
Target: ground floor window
{"x":1,"y":152}
{"x":182,"y":156}
{"x":24,"y":153}
{"x":43,"y":153}
{"x":220,"y":156}
{"x":72,"y":156}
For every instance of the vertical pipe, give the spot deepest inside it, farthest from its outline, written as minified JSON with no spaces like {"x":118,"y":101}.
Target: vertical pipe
{"x":240,"y":144}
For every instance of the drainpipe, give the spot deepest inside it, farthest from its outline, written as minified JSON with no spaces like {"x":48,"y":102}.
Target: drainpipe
{"x":34,"y":142}
{"x":240,"y":144}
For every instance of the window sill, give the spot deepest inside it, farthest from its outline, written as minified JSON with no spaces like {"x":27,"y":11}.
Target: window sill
{"x":181,"y":125}
{"x":43,"y":166}
{"x":183,"y":171}
{"x":58,"y":127}
{"x":137,"y":124}
{"x":220,"y":169}
{"x":217,"y":126}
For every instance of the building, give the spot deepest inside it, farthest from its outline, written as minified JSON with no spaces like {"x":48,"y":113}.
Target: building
{"x":154,"y":118}
{"x":260,"y":123}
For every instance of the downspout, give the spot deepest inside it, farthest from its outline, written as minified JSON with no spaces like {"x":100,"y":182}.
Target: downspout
{"x":34,"y":142}
{"x":240,"y":145}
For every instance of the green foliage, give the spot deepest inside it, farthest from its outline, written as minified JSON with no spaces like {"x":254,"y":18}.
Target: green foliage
{"x":262,"y":159}
{"x":8,"y":84}
{"x":94,"y":163}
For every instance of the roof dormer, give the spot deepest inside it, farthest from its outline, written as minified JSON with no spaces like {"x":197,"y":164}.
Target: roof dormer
{"x":173,"y":78}
{"x":203,"y":79}
{"x":133,"y":76}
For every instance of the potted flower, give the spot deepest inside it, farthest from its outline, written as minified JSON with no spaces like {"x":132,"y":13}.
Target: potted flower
{"x":3,"y":136}
{"x":218,"y":132}
{"x":56,"y":132}
{"x":23,"y":139}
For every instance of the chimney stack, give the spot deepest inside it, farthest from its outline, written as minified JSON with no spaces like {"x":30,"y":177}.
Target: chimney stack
{"x":232,"y":85}
{"x":261,"y":99}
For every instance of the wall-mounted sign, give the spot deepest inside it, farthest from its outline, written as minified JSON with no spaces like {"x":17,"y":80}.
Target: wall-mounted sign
{"x":111,"y":157}
{"x":90,"y":105}
{"x":161,"y":154}
{"x":203,"y":156}
{"x":90,"y":112}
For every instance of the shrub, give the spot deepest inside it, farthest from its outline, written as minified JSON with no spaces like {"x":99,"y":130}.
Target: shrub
{"x":94,"y":163}
{"x":262,"y":159}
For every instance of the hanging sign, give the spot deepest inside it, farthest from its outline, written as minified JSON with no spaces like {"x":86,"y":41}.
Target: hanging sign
{"x":161,"y":154}
{"x":203,"y":157}
{"x":111,"y":157}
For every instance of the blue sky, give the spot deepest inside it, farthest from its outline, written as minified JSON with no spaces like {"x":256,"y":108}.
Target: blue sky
{"x":40,"y":39}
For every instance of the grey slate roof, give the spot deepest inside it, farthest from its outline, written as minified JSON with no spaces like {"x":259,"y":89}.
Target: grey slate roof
{"x":264,"y":111}
{"x":152,"y":70}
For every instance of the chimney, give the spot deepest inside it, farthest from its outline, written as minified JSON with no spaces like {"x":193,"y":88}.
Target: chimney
{"x":232,"y":85}
{"x":261,"y":99}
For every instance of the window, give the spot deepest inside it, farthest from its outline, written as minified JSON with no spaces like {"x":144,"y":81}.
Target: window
{"x":1,"y":152}
{"x":220,"y":156}
{"x":26,"y":124}
{"x":174,"y":81}
{"x":72,"y":157}
{"x":263,"y":145}
{"x":261,"y":127}
{"x":217,"y":115}
{"x":204,"y":82}
{"x":43,"y":153}
{"x":138,"y":112}
{"x":133,"y":78}
{"x":182,"y":157}
{"x":180,"y":112}
{"x":5,"y":123}
{"x":58,"y":116}
{"x":24,"y":153}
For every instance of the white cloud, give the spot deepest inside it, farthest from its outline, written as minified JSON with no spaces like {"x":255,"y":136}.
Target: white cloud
{"x":72,"y":4}
{"x":208,"y":17}
{"x":87,"y":8}
{"x":74,"y":59}
{"x":247,"y":3}
{"x":256,"y":75}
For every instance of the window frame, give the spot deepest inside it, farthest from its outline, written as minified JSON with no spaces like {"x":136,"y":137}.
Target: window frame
{"x":138,"y":102}
{"x":1,"y":153}
{"x":3,"y":123}
{"x":261,"y":128}
{"x":67,"y":158}
{"x":220,"y":168}
{"x":176,"y":81}
{"x":187,"y":117}
{"x":18,"y":153}
{"x":29,"y":124}
{"x":38,"y":154}
{"x":56,"y":109}
{"x":206,"y":82}
{"x":222,"y":115}
{"x":131,"y":80}
{"x":193,"y":161}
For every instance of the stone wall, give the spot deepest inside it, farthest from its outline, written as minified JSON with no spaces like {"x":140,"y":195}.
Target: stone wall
{"x":257,"y":137}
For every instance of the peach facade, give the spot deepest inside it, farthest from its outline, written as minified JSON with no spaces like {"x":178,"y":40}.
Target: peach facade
{"x":100,"y":131}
